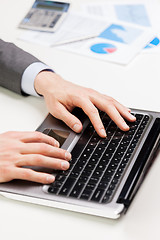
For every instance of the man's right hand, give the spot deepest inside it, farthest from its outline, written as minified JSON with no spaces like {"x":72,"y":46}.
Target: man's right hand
{"x":19,"y":149}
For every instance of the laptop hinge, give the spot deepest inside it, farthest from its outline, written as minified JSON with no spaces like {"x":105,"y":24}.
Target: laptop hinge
{"x":142,"y":165}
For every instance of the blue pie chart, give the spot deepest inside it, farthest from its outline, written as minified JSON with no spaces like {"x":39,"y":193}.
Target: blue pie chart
{"x":154,"y":43}
{"x":103,"y":48}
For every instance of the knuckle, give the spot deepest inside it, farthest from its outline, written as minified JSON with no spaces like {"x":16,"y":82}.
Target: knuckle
{"x":10,"y":133}
{"x":56,"y":105}
{"x":17,"y":147}
{"x":27,"y":174}
{"x":45,"y":148}
{"x":38,"y":159}
{"x":78,"y":98}
{"x":60,"y":153}
{"x":91,"y":91}
{"x":4,"y":170}
{"x":18,"y":159}
{"x":110,"y":99}
{"x":51,"y":141}
{"x":94,"y":111}
{"x":39,"y":135}
{"x":55,"y":110}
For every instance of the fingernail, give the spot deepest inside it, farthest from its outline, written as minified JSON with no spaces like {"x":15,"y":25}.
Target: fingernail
{"x":132,"y":117}
{"x":56,"y":144}
{"x":125,"y":126}
{"x":64,"y":165}
{"x":50,"y":178}
{"x":103,"y":133}
{"x":76,"y":127}
{"x":67,"y":156}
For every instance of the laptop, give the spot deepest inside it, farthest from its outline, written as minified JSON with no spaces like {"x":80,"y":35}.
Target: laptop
{"x":104,"y":174}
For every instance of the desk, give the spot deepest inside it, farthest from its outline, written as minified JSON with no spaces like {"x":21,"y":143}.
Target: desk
{"x":136,"y":85}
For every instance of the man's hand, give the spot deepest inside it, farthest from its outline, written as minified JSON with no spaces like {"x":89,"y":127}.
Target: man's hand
{"x":62,"y":97}
{"x":19,"y":149}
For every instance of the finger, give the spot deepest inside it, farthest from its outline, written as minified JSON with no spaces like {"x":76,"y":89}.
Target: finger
{"x":117,"y":118}
{"x":125,"y":112}
{"x":69,"y":119}
{"x":92,"y":112}
{"x":31,"y":175}
{"x":36,"y":136}
{"x":45,"y":149}
{"x":43,"y":161}
{"x":108,"y":105}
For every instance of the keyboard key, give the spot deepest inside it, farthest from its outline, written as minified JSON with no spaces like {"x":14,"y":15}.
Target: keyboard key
{"x":112,"y":186}
{"x":85,"y":156}
{"x":123,"y":165}
{"x":107,"y":155}
{"x":60,"y":177}
{"x":106,"y":198}
{"x":116,"y":159}
{"x":117,"y":176}
{"x":92,"y":161}
{"x":97,"y":174}
{"x":97,"y":155}
{"x":73,"y":160}
{"x":83,"y":178}
{"x":89,"y":166}
{"x":65,"y":172}
{"x":113,"y":165}
{"x":130,"y":150}
{"x":103,"y":185}
{"x":95,"y":138}
{"x":125,"y":160}
{"x":86,"y":194}
{"x":106,"y":178}
{"x":77,"y":189}
{"x":120,"y":170}
{"x":67,"y":186}
{"x":114,"y":143}
{"x":86,"y":173}
{"x":100,"y":167}
{"x":91,"y":185}
{"x":53,"y":190}
{"x":97,"y":195}
{"x":139,"y":116}
{"x":74,"y":174}
{"x":94,"y":180}
{"x":82,"y":161}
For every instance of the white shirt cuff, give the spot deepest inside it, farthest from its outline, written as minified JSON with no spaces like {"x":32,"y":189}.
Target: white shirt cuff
{"x":29,"y":75}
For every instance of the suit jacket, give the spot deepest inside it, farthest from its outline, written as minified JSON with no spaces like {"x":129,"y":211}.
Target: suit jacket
{"x":13,"y":62}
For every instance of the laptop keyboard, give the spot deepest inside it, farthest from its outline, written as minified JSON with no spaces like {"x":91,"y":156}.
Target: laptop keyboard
{"x":98,"y":165}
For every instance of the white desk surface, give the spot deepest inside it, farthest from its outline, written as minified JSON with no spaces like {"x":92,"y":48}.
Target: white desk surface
{"x":136,"y":85}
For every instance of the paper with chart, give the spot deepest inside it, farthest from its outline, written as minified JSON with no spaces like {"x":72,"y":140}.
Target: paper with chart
{"x":144,"y":13}
{"x":76,"y":26}
{"x":118,"y":43}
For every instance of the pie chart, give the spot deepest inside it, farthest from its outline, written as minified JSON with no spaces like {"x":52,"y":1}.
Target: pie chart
{"x":155,"y":42}
{"x":103,"y":48}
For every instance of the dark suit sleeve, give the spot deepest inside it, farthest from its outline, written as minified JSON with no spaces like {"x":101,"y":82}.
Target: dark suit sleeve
{"x":13,"y":62}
